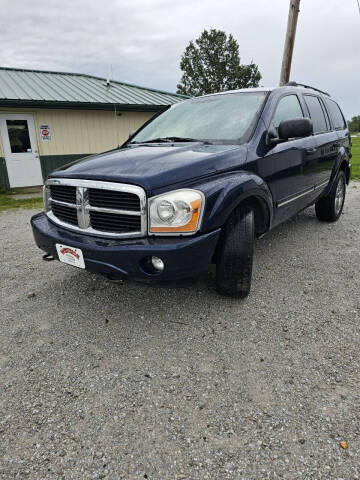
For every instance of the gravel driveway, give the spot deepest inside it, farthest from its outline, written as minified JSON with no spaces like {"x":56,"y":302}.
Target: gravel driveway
{"x":99,"y":380}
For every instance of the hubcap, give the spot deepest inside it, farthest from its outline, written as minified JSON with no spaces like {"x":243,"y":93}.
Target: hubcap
{"x":339,"y":197}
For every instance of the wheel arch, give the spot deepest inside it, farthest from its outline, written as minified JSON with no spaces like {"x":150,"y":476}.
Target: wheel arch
{"x":261,"y":213}
{"x":225,"y":195}
{"x":342,"y":163}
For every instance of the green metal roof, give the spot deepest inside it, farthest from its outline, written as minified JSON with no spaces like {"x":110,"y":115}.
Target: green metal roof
{"x":75,"y":90}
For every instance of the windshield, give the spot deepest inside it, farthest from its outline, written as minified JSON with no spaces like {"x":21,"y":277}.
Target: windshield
{"x":218,"y":117}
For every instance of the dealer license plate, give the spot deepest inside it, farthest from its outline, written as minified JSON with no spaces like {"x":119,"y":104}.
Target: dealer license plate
{"x":70,"y":255}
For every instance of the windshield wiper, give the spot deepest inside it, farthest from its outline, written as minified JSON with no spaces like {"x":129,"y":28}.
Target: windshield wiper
{"x":155,"y":140}
{"x":182,"y":139}
{"x":171,"y":139}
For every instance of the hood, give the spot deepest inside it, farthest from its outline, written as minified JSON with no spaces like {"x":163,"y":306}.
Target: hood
{"x":154,"y":166}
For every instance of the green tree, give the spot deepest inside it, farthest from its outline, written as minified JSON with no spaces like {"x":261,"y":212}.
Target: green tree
{"x":354,"y":124}
{"x":212,"y":64}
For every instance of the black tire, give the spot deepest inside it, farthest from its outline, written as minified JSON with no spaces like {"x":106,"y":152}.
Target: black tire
{"x":329,"y":208}
{"x":235,"y":254}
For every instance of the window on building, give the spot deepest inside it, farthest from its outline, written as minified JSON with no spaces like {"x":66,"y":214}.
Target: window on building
{"x":18,"y":136}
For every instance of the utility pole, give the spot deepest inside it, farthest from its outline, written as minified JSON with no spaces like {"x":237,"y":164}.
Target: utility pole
{"x":289,"y":41}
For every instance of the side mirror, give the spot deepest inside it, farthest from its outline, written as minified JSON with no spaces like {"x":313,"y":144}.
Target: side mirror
{"x":293,"y":128}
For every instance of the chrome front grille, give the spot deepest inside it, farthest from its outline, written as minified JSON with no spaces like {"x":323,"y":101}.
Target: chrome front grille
{"x":63,"y":193}
{"x":97,"y":208}
{"x":110,"y":199}
{"x":65,"y":214}
{"x":108,"y":222}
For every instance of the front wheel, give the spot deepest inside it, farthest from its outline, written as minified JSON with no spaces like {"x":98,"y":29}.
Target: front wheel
{"x":235,"y":256}
{"x":329,"y":208}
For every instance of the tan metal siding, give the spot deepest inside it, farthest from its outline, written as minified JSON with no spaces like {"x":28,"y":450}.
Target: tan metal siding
{"x":86,"y":131}
{"x":82,"y":131}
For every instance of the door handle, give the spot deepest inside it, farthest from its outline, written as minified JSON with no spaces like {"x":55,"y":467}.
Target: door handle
{"x":311,"y":150}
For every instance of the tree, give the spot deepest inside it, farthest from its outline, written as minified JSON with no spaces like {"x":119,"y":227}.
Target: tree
{"x":354,"y":124}
{"x":212,"y":64}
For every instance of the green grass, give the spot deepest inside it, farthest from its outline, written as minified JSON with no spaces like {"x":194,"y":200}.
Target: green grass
{"x":7,"y":202}
{"x":355,"y":161}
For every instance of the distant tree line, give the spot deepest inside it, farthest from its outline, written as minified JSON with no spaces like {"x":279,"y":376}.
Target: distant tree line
{"x":354,"y":124}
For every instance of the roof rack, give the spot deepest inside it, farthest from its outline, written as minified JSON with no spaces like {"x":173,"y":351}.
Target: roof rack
{"x":295,"y":84}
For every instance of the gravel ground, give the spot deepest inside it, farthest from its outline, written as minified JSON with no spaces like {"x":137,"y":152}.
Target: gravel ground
{"x":100,"y":380}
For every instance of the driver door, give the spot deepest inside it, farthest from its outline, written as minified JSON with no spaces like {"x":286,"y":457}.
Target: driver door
{"x":288,"y":167}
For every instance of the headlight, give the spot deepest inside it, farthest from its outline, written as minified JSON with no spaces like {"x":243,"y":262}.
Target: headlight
{"x":176,"y":212}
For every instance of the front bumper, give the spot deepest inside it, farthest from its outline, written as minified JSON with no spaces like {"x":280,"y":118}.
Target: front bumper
{"x":183,"y":257}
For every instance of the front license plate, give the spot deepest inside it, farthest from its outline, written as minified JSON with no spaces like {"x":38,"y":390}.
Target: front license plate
{"x":70,"y":255}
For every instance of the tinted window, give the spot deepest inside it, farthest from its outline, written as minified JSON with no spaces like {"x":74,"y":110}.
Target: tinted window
{"x":287,"y":109}
{"x":328,"y":125}
{"x":336,"y":115}
{"x":316,"y":113}
{"x":18,"y":136}
{"x":217,"y":117}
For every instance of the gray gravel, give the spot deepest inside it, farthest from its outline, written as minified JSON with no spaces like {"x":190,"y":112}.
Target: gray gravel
{"x":130,"y":382}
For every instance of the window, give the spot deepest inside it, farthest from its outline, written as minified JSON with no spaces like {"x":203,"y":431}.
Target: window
{"x":18,"y":136}
{"x":316,"y":113}
{"x":328,"y":124}
{"x":217,"y":117}
{"x":288,"y":108}
{"x":336,"y":115}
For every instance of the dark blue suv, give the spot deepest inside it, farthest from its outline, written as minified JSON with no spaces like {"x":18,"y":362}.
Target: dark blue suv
{"x":196,"y":184}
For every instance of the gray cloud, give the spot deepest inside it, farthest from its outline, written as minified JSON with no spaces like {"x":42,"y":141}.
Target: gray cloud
{"x":143,"y":40}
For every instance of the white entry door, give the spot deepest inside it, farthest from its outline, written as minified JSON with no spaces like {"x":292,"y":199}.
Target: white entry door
{"x":21,"y":151}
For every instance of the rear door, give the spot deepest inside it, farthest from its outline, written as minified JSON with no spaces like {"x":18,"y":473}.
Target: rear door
{"x":326,"y":141}
{"x":338,"y":124}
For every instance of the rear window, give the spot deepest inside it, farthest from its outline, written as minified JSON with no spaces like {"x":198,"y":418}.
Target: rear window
{"x":316,"y":113}
{"x":336,"y":115}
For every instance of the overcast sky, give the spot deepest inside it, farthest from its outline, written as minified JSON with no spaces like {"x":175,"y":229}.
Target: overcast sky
{"x":143,"y":39}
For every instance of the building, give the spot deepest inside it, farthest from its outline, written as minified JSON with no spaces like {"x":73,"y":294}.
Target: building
{"x":48,"y":119}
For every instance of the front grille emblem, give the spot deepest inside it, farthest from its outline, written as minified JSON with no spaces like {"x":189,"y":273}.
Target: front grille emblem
{"x":82,"y":203}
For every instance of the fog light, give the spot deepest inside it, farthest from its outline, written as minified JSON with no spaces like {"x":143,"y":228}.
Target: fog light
{"x":157,"y":263}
